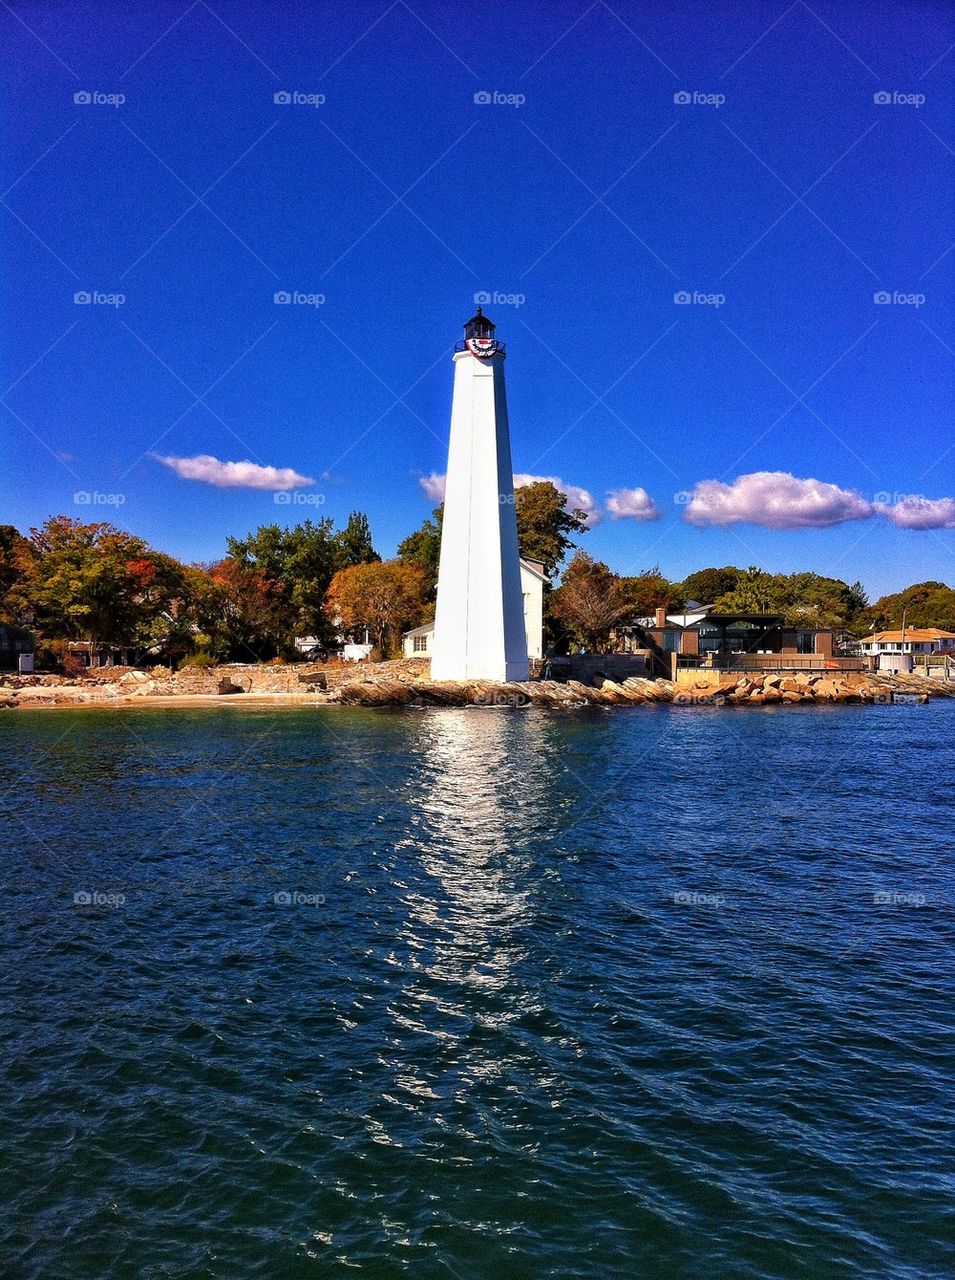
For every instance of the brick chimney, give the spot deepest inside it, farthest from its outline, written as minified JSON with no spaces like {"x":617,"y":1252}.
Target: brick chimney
{"x":661,"y":616}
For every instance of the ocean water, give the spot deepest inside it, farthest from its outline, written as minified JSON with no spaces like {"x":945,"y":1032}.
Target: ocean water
{"x":647,"y":992}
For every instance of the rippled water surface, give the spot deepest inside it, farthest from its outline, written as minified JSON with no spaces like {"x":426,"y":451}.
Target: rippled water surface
{"x":641,"y":993}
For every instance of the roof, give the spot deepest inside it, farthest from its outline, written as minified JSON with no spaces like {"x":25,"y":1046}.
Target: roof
{"x":420,"y":631}
{"x":914,"y":634}
{"x":534,"y":567}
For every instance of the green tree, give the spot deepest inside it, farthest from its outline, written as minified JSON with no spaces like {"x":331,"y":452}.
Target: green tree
{"x":302,"y":562}
{"x":925,"y":604}
{"x":354,"y":543}
{"x":707,"y":585}
{"x":423,"y":549}
{"x":755,"y":592}
{"x":811,"y":600}
{"x":545,"y":528}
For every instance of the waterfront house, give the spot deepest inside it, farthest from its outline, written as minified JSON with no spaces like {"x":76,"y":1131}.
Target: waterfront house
{"x":699,"y":637}
{"x":898,"y":650}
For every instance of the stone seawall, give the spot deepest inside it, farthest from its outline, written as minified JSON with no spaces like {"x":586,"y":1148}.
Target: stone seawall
{"x":753,"y":690}
{"x":407,"y":682}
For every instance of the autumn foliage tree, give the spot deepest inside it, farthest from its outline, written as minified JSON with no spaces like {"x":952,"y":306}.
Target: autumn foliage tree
{"x":386,"y":597}
{"x":92,"y":583}
{"x":590,"y":600}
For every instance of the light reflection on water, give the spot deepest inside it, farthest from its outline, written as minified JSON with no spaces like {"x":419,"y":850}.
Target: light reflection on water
{"x":503,"y":1045}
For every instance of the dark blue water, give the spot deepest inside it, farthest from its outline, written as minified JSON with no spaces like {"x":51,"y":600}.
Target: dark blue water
{"x":641,"y":993}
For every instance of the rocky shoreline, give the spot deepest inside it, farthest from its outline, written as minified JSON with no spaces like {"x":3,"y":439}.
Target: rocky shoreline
{"x":406,"y":683}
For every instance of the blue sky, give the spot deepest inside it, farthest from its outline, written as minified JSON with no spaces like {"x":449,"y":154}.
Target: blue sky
{"x":630,"y":154}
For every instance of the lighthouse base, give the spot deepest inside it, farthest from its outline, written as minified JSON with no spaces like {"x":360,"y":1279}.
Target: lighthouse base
{"x":455,"y":670}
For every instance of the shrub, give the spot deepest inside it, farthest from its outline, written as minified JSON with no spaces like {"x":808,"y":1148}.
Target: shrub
{"x":199,"y":659}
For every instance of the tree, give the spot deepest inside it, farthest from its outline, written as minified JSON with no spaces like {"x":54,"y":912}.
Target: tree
{"x":302,"y":561}
{"x":707,"y":585}
{"x":648,"y":590}
{"x":811,"y":600}
{"x":925,"y":604}
{"x":590,"y":599}
{"x":93,"y":582}
{"x":241,"y":610}
{"x":353,"y":543}
{"x":14,"y":554}
{"x":387,"y":597}
{"x":755,"y":592}
{"x":423,"y":548}
{"x":545,"y":526}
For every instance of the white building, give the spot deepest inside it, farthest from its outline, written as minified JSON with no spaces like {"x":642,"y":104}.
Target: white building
{"x":418,"y":643}
{"x":897,"y":650}
{"x":479,"y":614}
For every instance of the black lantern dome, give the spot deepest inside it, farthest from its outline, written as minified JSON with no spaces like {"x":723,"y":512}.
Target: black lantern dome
{"x":479,"y":326}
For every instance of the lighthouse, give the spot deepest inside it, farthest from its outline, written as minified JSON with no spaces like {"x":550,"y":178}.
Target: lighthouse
{"x":479,"y":619}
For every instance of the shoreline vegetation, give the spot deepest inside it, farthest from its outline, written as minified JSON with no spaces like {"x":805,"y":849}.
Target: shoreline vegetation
{"x":79,"y":594}
{"x":407,"y":683}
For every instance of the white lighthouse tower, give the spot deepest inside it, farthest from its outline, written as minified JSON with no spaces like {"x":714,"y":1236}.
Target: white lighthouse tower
{"x":479,"y":621}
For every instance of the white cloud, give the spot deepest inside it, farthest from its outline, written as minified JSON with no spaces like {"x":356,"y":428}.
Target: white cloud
{"x":576,"y":496}
{"x":914,"y":512}
{"x":433,"y":486}
{"x":233,"y":475}
{"x":635,"y":503}
{"x":775,"y":500}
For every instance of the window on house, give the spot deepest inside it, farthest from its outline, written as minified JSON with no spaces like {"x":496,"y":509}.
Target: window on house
{"x":805,"y":641}
{"x":421,"y":644}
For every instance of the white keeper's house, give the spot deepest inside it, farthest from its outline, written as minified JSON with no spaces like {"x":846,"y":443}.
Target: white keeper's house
{"x":417,"y":643}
